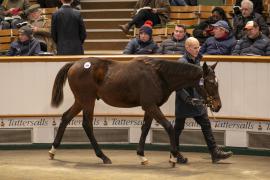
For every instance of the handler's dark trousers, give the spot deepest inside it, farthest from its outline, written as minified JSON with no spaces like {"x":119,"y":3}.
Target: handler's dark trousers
{"x":143,"y":16}
{"x":204,"y":122}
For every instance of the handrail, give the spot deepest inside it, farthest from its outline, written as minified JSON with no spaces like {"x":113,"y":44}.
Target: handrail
{"x":213,"y":58}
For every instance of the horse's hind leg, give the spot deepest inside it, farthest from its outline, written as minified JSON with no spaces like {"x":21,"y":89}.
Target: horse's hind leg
{"x":66,"y":118}
{"x":88,"y":128}
{"x":145,"y":129}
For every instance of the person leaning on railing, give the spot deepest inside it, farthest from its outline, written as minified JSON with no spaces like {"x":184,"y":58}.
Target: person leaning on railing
{"x":176,"y":43}
{"x":26,"y":45}
{"x":222,"y":42}
{"x":143,"y":44}
{"x":254,"y":43}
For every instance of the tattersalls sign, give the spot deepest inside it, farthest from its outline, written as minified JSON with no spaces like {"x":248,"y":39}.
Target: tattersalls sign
{"x":103,"y":121}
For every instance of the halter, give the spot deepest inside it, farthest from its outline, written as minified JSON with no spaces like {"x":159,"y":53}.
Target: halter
{"x":209,"y":98}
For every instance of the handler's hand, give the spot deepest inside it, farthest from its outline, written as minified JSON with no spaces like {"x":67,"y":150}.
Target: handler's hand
{"x":154,"y":10}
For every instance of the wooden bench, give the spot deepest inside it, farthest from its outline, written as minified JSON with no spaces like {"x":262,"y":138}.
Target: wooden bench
{"x":6,"y":37}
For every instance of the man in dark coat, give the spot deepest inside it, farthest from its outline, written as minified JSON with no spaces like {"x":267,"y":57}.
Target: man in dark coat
{"x":186,"y":106}
{"x":254,"y":43}
{"x":247,"y":14}
{"x":156,"y":11}
{"x":175,"y":44}
{"x":144,"y":44}
{"x":258,"y":5}
{"x":68,"y":30}
{"x":223,"y":41}
{"x":26,"y":45}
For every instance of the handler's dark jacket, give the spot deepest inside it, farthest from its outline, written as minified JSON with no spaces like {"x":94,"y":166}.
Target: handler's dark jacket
{"x":259,"y":46}
{"x":240,"y":22}
{"x":136,"y":46}
{"x":182,"y":109}
{"x":27,"y":48}
{"x":172,"y":46}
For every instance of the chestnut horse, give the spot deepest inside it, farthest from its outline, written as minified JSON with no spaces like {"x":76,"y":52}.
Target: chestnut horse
{"x":143,"y":81}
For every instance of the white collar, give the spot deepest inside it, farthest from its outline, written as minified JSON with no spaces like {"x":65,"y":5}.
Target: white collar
{"x":66,"y":4}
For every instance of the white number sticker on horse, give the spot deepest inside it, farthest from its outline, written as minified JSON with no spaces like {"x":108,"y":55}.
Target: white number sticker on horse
{"x":87,"y":65}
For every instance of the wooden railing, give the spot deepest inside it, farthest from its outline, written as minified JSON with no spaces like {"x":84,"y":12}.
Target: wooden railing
{"x":211,"y":58}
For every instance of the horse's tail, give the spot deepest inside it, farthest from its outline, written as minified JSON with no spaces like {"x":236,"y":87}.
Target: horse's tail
{"x":59,"y":82}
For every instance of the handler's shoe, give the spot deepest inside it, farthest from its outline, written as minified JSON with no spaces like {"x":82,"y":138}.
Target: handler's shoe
{"x":181,"y":159}
{"x":218,"y":154}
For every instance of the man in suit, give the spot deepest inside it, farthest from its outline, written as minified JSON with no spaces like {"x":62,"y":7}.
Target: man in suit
{"x":68,"y":30}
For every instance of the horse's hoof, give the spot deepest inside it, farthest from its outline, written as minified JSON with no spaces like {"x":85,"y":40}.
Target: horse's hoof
{"x":145,"y":162}
{"x":51,"y":155}
{"x":172,"y":163}
{"x":107,"y":161}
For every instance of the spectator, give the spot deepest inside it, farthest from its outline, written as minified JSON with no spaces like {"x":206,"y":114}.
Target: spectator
{"x":192,"y":2}
{"x":175,"y":44}
{"x":254,"y":43}
{"x":223,"y":41}
{"x":144,"y":44}
{"x":68,"y":30}
{"x":258,"y":5}
{"x":158,"y":13}
{"x":12,"y":12}
{"x":184,"y":108}
{"x":204,"y":30}
{"x":178,"y":3}
{"x":41,"y":27}
{"x":26,"y":45}
{"x":246,"y":15}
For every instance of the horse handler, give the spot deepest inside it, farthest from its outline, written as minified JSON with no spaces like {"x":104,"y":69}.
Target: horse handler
{"x":187,"y":105}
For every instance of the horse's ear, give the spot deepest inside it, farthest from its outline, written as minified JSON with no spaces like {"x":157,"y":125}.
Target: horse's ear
{"x":214,"y":65}
{"x":205,"y":68}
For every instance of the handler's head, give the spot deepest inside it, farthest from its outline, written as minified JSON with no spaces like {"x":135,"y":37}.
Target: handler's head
{"x":192,"y":46}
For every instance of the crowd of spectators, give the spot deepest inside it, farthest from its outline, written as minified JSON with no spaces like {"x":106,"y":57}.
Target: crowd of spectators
{"x":249,"y":34}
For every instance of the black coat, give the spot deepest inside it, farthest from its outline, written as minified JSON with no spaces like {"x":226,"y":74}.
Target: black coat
{"x":259,"y":46}
{"x":68,"y":31}
{"x":136,"y":46}
{"x":182,"y":109}
{"x":27,"y":48}
{"x":240,"y":22}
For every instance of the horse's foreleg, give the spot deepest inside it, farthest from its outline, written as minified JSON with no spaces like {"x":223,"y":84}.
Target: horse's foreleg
{"x":156,"y":113}
{"x":66,"y":118}
{"x":145,"y":129}
{"x":88,"y":128}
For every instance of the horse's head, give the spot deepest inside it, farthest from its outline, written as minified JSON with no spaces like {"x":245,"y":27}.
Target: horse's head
{"x":209,"y":87}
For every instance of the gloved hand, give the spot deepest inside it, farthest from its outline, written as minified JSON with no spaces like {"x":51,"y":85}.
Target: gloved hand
{"x":194,"y":101}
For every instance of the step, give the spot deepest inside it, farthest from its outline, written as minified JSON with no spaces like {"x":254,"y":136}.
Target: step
{"x":105,"y":34}
{"x":108,"y":4}
{"x":112,"y":44}
{"x":105,"y":23}
{"x":106,"y":13}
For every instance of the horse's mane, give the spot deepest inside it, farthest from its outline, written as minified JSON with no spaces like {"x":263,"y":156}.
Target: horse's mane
{"x":171,"y":67}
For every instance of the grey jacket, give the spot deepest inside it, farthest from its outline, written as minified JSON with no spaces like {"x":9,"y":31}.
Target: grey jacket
{"x":172,"y":46}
